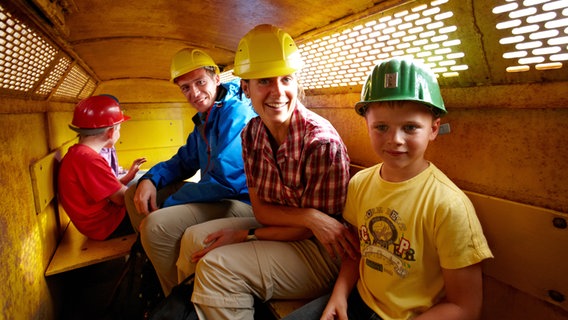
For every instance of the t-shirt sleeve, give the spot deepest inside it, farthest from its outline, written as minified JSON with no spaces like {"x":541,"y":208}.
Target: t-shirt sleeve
{"x":459,"y":236}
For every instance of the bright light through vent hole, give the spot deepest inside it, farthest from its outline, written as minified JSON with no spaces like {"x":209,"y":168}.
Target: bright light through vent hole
{"x":538,"y":34}
{"x":426,"y":32}
{"x":24,"y":55}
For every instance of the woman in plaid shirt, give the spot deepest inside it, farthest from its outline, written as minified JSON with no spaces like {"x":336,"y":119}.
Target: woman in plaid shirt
{"x":297,"y":171}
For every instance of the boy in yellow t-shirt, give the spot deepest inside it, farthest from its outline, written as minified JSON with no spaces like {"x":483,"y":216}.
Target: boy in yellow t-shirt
{"x":421,"y":243}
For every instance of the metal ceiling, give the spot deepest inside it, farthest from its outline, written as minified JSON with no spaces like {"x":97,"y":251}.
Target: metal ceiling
{"x":136,"y":39}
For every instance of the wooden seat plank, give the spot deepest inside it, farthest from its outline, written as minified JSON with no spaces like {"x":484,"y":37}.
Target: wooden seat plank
{"x":527,"y":243}
{"x":76,"y":250}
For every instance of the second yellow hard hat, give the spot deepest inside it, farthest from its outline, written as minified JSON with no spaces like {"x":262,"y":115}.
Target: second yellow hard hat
{"x":266,"y":51}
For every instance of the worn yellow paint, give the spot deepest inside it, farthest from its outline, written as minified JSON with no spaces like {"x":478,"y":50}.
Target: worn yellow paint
{"x":30,"y":131}
{"x":59,"y":131}
{"x":147,"y":91}
{"x":153,"y":156}
{"x":27,"y":238}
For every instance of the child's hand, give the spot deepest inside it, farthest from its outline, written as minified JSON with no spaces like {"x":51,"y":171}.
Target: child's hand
{"x":135,"y":167}
{"x":130,"y":174}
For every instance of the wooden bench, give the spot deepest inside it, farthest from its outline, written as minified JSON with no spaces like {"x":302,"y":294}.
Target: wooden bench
{"x":528,"y":244}
{"x":74,"y":250}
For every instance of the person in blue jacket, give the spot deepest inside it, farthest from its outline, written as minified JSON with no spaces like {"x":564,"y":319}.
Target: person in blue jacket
{"x":162,"y":205}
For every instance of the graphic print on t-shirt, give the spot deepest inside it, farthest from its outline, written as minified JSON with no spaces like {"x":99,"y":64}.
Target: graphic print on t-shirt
{"x":383,"y":244}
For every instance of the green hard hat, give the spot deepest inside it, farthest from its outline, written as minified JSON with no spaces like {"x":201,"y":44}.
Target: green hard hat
{"x":399,"y":79}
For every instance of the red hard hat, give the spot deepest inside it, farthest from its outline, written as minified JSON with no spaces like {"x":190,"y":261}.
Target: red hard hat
{"x":97,"y":112}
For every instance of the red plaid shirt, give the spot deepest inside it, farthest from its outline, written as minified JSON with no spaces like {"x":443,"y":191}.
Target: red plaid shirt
{"x":310,"y":170}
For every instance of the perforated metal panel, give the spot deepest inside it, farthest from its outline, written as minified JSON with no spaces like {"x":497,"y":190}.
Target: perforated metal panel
{"x":425,"y":31}
{"x":54,"y":77}
{"x":538,"y":34}
{"x":73,"y":83}
{"x":464,"y":42}
{"x":24,"y":54}
{"x":32,"y":65}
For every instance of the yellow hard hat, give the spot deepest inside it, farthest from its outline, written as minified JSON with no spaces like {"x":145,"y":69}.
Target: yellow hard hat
{"x":265,"y":52}
{"x":187,"y":60}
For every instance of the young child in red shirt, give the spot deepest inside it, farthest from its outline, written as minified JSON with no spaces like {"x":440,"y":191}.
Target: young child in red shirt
{"x":90,"y":193}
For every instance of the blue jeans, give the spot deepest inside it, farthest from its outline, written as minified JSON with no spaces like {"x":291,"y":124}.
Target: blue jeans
{"x":356,"y":309}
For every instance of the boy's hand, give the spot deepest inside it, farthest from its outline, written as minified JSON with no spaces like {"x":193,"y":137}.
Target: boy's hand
{"x":130,"y":174}
{"x":335,"y":309}
{"x":135,"y":167}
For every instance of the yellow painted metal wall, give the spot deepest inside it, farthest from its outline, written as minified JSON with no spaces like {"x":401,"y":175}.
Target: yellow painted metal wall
{"x":25,"y":236}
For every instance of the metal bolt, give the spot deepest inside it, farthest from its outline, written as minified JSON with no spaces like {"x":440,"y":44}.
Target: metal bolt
{"x":559,"y":223}
{"x":556,"y":296}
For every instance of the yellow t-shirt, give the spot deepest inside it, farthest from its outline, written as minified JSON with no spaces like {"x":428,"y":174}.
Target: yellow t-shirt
{"x":408,"y":231}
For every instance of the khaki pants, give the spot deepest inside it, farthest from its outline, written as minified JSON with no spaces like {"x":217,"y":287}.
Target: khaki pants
{"x":228,"y":278}
{"x":162,"y":230}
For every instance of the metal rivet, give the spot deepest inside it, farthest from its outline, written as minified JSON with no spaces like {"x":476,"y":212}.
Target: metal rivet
{"x":556,"y":296}
{"x":559,"y":223}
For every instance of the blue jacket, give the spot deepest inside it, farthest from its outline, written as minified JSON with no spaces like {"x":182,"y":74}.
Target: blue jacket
{"x":218,"y":156}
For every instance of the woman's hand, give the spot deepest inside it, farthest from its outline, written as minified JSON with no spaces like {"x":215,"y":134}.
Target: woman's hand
{"x":220,"y":238}
{"x":337,"y":238}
